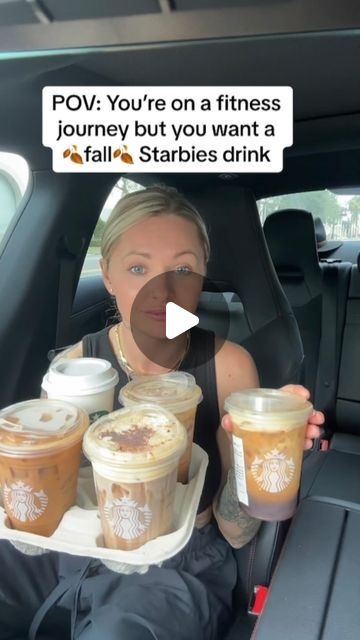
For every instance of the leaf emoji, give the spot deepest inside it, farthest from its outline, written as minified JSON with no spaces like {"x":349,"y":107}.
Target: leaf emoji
{"x":66,"y":153}
{"x":125,"y":147}
{"x":75,"y":146}
{"x":76,"y":157}
{"x":117,"y":152}
{"x":126,"y":157}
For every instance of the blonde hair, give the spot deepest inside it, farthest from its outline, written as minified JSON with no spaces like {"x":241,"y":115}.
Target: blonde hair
{"x":146,"y":203}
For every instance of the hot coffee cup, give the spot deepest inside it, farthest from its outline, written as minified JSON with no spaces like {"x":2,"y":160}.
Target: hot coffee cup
{"x":89,"y":383}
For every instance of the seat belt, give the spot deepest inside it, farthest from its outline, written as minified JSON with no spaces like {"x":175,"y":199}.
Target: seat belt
{"x":329,"y":352}
{"x":68,"y":252}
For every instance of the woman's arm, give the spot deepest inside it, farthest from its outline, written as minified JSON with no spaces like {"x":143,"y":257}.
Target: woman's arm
{"x":235,"y":370}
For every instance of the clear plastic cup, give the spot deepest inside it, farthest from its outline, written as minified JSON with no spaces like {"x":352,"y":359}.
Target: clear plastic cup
{"x":89,"y":383}
{"x":268,"y":442}
{"x":178,"y":393}
{"x":135,"y":454}
{"x":40,"y":448}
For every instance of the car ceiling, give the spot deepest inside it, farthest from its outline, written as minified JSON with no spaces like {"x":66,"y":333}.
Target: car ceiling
{"x":314,"y":49}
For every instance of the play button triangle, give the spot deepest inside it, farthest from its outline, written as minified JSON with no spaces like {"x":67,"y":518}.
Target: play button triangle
{"x":178,"y":320}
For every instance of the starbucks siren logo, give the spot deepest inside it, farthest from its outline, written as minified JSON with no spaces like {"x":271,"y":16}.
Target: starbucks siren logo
{"x":24,"y":503}
{"x":127,"y":519}
{"x":274,"y":472}
{"x":96,"y":415}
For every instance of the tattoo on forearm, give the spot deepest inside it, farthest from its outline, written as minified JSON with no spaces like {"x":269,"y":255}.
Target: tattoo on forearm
{"x":230,"y":510}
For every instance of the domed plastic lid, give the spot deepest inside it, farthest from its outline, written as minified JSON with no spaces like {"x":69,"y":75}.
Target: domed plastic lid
{"x":135,"y":436}
{"x":176,"y":391}
{"x":268,"y":407}
{"x":33,"y":425}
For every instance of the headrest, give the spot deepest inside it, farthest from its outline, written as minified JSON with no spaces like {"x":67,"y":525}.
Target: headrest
{"x":239,"y":257}
{"x":290,"y":236}
{"x":324,"y":245}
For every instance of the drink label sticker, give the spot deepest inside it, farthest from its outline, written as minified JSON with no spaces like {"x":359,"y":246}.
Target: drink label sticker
{"x":239,"y":468}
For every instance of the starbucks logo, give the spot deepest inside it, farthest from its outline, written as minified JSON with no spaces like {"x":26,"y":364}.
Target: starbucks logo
{"x":127,"y":519}
{"x":274,"y":472}
{"x":23,"y":502}
{"x":96,"y":415}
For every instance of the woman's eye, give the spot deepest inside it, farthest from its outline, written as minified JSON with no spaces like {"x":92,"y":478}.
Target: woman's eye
{"x":137,"y":269}
{"x":183,"y":269}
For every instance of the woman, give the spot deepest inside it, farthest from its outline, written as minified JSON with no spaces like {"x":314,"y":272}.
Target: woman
{"x":152,"y":232}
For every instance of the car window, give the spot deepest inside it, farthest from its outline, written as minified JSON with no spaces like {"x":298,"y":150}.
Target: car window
{"x":14,"y":179}
{"x":339,"y":212}
{"x":91,"y":263}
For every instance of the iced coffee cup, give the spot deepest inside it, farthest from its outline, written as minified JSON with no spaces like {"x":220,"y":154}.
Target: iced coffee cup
{"x":268,"y":442}
{"x":89,"y":383}
{"x":40,"y":447}
{"x":178,"y":393}
{"x":135,"y":454}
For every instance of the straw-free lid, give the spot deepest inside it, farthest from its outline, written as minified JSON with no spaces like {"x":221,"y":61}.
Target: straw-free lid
{"x":134,"y":436}
{"x":173,"y":391}
{"x":267,"y":404}
{"x":80,"y":376}
{"x":34,"y":424}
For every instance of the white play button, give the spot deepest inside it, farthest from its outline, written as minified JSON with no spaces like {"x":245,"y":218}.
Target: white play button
{"x":178,"y":320}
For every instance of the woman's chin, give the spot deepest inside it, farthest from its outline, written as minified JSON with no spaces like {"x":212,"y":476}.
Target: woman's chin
{"x":149,"y":328}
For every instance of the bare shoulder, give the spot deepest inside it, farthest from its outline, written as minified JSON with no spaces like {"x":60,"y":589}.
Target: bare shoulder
{"x":233,"y":361}
{"x":235,"y":370}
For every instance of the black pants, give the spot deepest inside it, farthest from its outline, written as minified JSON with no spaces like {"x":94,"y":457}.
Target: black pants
{"x":72,"y":598}
{"x":25,"y":583}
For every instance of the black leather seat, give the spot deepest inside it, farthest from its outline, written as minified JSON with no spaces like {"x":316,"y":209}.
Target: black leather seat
{"x":317,"y":293}
{"x":223,"y":313}
{"x":290,"y":236}
{"x":348,"y":391}
{"x":265,"y":325}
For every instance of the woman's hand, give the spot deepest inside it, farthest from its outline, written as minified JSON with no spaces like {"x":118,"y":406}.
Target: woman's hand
{"x":313,"y":427}
{"x":316,"y":419}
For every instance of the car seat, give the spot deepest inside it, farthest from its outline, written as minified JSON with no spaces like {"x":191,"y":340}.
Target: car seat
{"x":290,"y":236}
{"x":267,"y":329}
{"x":317,"y":293}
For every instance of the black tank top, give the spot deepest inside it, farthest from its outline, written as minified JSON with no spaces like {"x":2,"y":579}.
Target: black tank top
{"x":200,"y":362}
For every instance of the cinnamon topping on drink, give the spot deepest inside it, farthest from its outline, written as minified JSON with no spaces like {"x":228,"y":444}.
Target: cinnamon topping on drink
{"x":134,"y":437}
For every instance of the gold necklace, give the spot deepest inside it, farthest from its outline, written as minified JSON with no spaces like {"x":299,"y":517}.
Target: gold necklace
{"x":129,"y":369}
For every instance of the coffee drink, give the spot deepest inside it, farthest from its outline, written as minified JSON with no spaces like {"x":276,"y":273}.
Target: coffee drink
{"x":268,"y":441}
{"x":135,"y":454}
{"x":40,"y":447}
{"x":178,"y":393}
{"x":89,"y":383}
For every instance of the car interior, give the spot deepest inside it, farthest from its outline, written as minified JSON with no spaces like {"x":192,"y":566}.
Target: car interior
{"x":296,"y":310}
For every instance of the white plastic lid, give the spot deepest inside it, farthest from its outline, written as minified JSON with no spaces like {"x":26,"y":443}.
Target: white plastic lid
{"x":80,"y":376}
{"x":38,"y":425}
{"x":265,"y":406}
{"x":176,"y":391}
